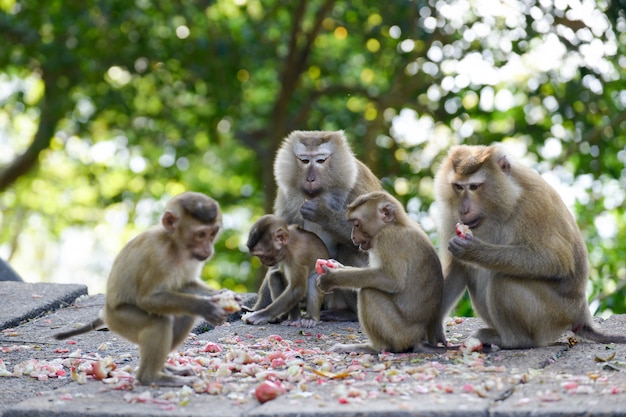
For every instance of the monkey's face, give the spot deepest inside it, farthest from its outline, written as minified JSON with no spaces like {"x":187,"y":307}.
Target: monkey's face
{"x":313,"y":165}
{"x":468,"y":190}
{"x":360,"y":236}
{"x":268,"y":254}
{"x":200,"y":238}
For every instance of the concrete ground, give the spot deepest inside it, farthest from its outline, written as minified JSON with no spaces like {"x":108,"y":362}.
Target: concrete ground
{"x":92,"y":374}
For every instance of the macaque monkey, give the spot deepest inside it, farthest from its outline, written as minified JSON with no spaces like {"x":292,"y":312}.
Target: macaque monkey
{"x":399,"y":293}
{"x":290,"y":254}
{"x":524,"y":260}
{"x":317,"y":176}
{"x":153,"y":290}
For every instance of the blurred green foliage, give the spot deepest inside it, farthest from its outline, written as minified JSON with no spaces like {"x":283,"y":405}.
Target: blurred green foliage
{"x":108,"y":108}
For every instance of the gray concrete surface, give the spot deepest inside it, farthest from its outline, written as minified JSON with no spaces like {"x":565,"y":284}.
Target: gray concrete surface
{"x":562,"y":380}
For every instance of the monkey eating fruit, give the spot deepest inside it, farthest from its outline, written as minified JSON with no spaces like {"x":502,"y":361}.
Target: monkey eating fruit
{"x":317,"y":176}
{"x":524,"y":260}
{"x":400,"y":291}
{"x":153,"y":291}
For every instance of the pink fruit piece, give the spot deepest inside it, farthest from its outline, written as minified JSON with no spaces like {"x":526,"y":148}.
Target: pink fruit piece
{"x":267,"y":391}
{"x":463,"y":231}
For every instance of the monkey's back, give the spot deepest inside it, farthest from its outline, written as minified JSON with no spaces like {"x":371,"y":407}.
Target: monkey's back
{"x":409,"y":247}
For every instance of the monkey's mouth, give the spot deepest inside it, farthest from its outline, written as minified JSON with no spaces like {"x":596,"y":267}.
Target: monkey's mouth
{"x":268,"y":261}
{"x":473,"y":224}
{"x":312,"y":190}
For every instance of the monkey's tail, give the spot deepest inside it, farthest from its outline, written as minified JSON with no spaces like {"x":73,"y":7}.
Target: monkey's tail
{"x":587,"y":331}
{"x":94,"y":325}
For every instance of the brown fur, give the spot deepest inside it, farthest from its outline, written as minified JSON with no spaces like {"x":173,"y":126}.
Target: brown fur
{"x":315,"y":195}
{"x":290,"y":254}
{"x":400,"y":292}
{"x":153,"y":291}
{"x":526,"y":265}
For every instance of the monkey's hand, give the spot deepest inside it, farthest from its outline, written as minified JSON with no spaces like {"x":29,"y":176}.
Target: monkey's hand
{"x":325,"y":282}
{"x":258,"y":317}
{"x":323,"y":207}
{"x":212,"y":312}
{"x":309,"y":209}
{"x":463,"y":247}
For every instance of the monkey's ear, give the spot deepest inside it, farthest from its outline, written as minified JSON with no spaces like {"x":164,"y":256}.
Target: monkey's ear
{"x":388,"y":212}
{"x":281,"y":238}
{"x":504,"y":164}
{"x":169,"y":221}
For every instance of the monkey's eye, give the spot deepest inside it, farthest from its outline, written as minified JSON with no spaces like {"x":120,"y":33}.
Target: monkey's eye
{"x":305,"y":161}
{"x":201,"y":235}
{"x":458,"y":187}
{"x":320,"y":160}
{"x":474,"y":187}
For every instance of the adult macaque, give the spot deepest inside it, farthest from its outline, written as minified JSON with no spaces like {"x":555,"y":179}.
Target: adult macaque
{"x":317,"y":176}
{"x":524,"y":262}
{"x":399,"y":294}
{"x":290,"y":253}
{"x":153,"y":291}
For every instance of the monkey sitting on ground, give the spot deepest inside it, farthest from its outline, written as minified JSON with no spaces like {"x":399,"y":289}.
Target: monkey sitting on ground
{"x":524,"y":262}
{"x":290,"y":253}
{"x":399,"y":294}
{"x":317,"y":176}
{"x":153,"y":291}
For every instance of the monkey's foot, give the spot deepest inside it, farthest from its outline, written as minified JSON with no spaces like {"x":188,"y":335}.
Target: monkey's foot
{"x":178,"y":370}
{"x":166,"y":380}
{"x":304,"y":322}
{"x":256,"y":318}
{"x":353,"y":348}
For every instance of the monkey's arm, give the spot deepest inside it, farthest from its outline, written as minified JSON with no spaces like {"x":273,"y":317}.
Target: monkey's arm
{"x":538,"y":261}
{"x":198,"y":288}
{"x":180,"y":303}
{"x":349,"y":277}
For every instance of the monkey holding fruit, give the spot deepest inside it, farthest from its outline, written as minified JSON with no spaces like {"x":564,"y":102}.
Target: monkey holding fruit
{"x":317,"y":176}
{"x":153,"y":291}
{"x":399,"y":293}
{"x":290,"y":253}
{"x":524,"y":260}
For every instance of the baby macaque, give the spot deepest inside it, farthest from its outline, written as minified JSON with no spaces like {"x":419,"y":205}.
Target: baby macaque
{"x":290,"y":253}
{"x":399,"y":294}
{"x":154,"y":293}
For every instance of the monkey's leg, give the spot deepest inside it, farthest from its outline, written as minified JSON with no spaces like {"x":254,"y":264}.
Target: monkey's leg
{"x":181,"y":328}
{"x":154,"y":335}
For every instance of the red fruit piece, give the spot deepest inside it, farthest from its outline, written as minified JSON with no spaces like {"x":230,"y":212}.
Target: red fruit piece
{"x":267,"y":391}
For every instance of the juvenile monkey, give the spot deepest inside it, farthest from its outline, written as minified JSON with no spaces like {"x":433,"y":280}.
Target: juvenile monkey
{"x":153,"y":291}
{"x":317,"y":176}
{"x":399,"y":294}
{"x":290,"y":253}
{"x":524,"y":262}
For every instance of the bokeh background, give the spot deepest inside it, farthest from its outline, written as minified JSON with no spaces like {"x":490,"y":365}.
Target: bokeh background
{"x":108,"y":108}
